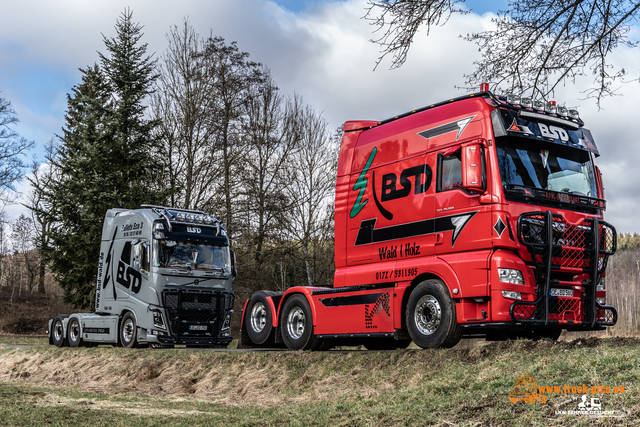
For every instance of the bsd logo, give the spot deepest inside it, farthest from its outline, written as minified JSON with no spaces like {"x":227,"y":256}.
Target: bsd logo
{"x":128,"y":277}
{"x":391,"y":192}
{"x":553,"y":132}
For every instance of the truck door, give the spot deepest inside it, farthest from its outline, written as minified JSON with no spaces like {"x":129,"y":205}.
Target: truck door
{"x":129,"y":276}
{"x":393,"y":219}
{"x":463,"y":228}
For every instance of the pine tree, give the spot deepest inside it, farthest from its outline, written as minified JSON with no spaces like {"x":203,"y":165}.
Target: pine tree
{"x":108,"y":158}
{"x":130,"y":74}
{"x":75,"y":202}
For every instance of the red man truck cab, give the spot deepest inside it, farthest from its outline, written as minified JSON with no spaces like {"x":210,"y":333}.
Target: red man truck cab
{"x":480,"y":215}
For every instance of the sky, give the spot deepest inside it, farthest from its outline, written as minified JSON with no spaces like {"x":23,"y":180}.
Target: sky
{"x":318,"y":49}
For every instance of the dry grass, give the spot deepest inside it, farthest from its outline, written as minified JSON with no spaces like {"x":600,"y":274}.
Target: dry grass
{"x":412,"y":387}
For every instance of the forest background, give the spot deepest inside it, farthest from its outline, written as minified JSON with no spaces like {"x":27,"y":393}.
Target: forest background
{"x":199,"y":126}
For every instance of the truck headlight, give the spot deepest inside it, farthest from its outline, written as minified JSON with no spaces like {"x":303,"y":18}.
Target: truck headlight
{"x":227,"y":322}
{"x":158,"y":321}
{"x":512,"y":294}
{"x":226,"y":325}
{"x":600,"y":285}
{"x":508,"y":275}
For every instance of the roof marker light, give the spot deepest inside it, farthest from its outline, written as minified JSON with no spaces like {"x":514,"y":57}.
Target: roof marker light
{"x":550,"y":107}
{"x":538,"y":105}
{"x":513,"y":99}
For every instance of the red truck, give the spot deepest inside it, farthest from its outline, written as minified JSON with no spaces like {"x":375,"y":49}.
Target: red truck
{"x":477,"y":216}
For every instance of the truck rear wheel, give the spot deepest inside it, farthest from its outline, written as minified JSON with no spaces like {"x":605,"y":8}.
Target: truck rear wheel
{"x":296,"y":324}
{"x":128,"y":331}
{"x":74,"y":335}
{"x":57,"y":331}
{"x":258,"y":319}
{"x":431,"y":316}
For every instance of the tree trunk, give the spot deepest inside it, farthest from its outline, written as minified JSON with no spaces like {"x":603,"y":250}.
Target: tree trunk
{"x":41,"y":273}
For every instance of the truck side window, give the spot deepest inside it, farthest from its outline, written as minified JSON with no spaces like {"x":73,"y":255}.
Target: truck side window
{"x":145,"y":257}
{"x":141,"y":260}
{"x":450,"y":174}
{"x":137,"y":249}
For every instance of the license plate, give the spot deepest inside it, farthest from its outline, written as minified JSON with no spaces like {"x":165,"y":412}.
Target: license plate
{"x":197,"y":327}
{"x":558,"y":292}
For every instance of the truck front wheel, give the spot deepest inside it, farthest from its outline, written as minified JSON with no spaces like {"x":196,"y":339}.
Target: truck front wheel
{"x":128,"y":331}
{"x":296,"y":324}
{"x":431,"y":316}
{"x":258,"y":319}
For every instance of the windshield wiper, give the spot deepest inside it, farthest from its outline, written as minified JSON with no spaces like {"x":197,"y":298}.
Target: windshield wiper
{"x":527,"y":191}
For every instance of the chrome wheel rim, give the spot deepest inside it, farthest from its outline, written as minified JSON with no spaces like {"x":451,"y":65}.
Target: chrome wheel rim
{"x":74,"y":331}
{"x":296,"y":323}
{"x":127,"y":330}
{"x":428,"y":315}
{"x":57,"y":331}
{"x":258,"y":317}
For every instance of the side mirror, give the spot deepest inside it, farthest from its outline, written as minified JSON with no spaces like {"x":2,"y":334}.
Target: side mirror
{"x":234,"y":271}
{"x":472,"y":168}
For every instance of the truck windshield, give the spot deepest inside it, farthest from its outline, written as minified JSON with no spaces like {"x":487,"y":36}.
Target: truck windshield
{"x":546,"y":167}
{"x":196,"y":256}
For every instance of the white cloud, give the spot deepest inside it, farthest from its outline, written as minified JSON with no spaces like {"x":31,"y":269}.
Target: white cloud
{"x":322,"y":53}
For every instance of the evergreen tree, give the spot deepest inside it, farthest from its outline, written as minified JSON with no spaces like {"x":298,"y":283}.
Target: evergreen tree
{"x":76,"y":201}
{"x":107,"y":158}
{"x":130,"y":74}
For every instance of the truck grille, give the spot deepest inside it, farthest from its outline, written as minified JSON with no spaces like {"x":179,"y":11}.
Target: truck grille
{"x":562,"y":252}
{"x":197,"y":316}
{"x":563,"y":310}
{"x":572,"y":245}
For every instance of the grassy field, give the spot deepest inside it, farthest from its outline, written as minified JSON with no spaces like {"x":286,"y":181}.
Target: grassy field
{"x":23,"y":340}
{"x":114,"y":386}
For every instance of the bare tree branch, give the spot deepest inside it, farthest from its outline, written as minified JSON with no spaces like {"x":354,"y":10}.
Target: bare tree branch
{"x":536,"y":46}
{"x":400,"y":20}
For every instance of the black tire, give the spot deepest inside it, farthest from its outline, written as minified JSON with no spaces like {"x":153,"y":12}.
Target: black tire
{"x":296,"y":325}
{"x":128,"y":331}
{"x":57,"y":331}
{"x":431,"y":316}
{"x":258,"y":319}
{"x":74,"y":333}
{"x":386,"y":344}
